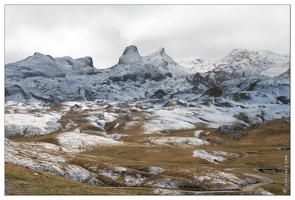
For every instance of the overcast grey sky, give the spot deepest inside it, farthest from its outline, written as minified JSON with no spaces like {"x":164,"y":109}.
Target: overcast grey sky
{"x":103,"y":31}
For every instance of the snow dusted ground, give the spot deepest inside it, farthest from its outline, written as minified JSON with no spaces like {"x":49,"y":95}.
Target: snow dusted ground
{"x":156,"y":170}
{"x":152,"y":116}
{"x":130,"y":125}
{"x":198,"y":65}
{"x":192,"y":111}
{"x":168,"y":120}
{"x":31,"y":124}
{"x":229,"y":181}
{"x":12,"y":107}
{"x":214,"y":156}
{"x":56,"y":159}
{"x":166,"y":125}
{"x":79,"y":142}
{"x":188,"y":114}
{"x":113,"y":173}
{"x":178,"y":141}
{"x":215,"y":114}
{"x":45,"y":157}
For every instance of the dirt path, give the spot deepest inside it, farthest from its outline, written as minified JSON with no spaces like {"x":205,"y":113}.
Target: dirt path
{"x":250,"y":187}
{"x":264,"y":180}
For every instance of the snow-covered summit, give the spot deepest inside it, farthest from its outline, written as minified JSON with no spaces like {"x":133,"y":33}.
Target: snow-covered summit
{"x":242,"y":62}
{"x":35,"y":65}
{"x":238,"y":51}
{"x":47,"y":66}
{"x":160,"y":51}
{"x":198,"y":65}
{"x":238,"y":63}
{"x":156,"y":66}
{"x":130,"y":55}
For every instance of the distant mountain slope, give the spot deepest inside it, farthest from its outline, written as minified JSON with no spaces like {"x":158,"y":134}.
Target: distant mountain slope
{"x":241,"y":62}
{"x":198,"y":65}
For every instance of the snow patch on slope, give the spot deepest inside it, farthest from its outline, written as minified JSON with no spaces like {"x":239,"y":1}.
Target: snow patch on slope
{"x":79,"y":142}
{"x":176,"y":119}
{"x":45,"y":157}
{"x":214,"y":156}
{"x":166,"y":125}
{"x":179,"y":141}
{"x":156,"y":170}
{"x":31,"y":124}
{"x":198,"y":65}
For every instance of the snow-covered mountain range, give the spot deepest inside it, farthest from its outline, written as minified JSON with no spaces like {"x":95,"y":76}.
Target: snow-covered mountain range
{"x":256,"y":82}
{"x":41,"y":79}
{"x":242,"y":76}
{"x":245,"y":62}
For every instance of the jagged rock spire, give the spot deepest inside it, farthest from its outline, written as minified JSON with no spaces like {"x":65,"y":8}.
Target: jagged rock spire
{"x":130,"y":55}
{"x":160,"y":51}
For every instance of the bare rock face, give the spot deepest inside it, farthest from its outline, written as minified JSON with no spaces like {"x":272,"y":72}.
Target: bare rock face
{"x":224,"y":129}
{"x":86,"y":61}
{"x":284,"y":99}
{"x":159,"y":94}
{"x":241,"y":96}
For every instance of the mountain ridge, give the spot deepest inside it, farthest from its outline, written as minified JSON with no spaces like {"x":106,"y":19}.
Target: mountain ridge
{"x":45,"y":80}
{"x":241,"y":56}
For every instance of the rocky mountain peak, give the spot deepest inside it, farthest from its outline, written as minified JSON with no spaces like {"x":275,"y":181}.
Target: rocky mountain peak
{"x":130,"y":55}
{"x":237,"y":55}
{"x":238,"y":50}
{"x":38,"y":54}
{"x":86,"y":61}
{"x":160,"y":52}
{"x":132,"y":49}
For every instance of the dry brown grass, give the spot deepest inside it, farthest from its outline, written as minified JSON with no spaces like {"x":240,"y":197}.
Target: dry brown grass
{"x":50,"y":138}
{"x":257,"y":149}
{"x":23,"y":181}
